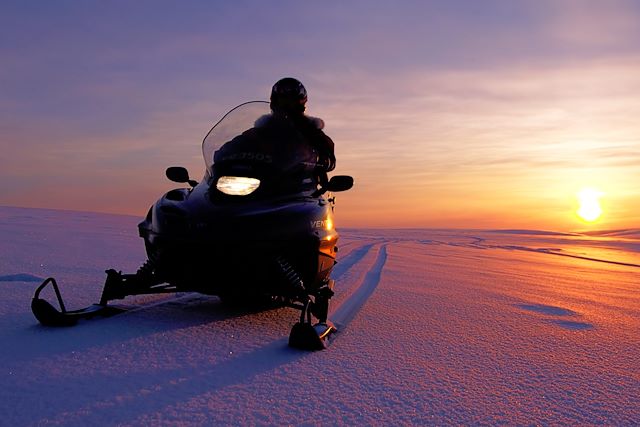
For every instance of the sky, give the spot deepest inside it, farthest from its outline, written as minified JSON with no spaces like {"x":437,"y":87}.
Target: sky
{"x":463,"y":114}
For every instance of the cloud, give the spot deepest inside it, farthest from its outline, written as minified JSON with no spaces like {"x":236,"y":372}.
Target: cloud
{"x":592,"y":23}
{"x":511,"y":131}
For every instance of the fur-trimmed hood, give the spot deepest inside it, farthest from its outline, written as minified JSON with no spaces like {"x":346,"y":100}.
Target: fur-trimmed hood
{"x":317,"y":121}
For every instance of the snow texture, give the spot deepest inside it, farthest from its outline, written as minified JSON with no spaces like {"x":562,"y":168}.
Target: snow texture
{"x":435,"y":327}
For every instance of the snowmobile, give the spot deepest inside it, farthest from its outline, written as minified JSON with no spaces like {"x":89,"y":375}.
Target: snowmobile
{"x":259,"y":226}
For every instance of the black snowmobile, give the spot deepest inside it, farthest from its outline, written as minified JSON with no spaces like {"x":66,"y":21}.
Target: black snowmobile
{"x":258,"y":227}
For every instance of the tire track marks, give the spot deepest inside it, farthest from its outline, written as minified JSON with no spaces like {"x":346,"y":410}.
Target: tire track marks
{"x":344,"y":313}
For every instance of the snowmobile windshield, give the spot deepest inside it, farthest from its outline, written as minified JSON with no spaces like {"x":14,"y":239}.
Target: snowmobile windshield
{"x":251,"y":138}
{"x":234,"y":123}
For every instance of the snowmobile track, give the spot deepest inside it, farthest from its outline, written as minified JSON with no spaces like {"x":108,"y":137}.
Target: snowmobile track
{"x":358,"y":275}
{"x":355,"y":293}
{"x":343,"y":313}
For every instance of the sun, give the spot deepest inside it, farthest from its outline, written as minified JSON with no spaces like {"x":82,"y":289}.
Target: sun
{"x":589,"y":209}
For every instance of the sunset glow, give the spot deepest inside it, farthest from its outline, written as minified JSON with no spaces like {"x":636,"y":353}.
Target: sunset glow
{"x":447,"y":114}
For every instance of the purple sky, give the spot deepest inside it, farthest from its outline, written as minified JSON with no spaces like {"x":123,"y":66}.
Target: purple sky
{"x":441,"y":110}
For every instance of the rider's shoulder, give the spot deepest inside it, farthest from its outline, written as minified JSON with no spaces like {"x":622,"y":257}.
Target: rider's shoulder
{"x":263,"y":120}
{"x":316,"y":121}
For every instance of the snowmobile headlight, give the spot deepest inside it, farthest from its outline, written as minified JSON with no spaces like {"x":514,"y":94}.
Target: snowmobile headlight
{"x":237,"y":185}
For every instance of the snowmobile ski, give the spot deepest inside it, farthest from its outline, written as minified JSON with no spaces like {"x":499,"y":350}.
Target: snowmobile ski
{"x":48,"y":315}
{"x":305,"y":336}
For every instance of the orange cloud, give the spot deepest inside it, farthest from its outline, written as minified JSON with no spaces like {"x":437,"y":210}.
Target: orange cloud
{"x":506,"y":147}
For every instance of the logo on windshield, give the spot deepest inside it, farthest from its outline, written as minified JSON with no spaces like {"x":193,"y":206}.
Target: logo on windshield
{"x":248,"y":155}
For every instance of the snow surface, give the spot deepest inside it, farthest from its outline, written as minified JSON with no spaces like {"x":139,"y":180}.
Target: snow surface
{"x":436,"y":327}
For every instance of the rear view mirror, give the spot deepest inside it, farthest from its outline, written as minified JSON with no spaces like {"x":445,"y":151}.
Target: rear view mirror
{"x":180,"y":174}
{"x":340,"y":183}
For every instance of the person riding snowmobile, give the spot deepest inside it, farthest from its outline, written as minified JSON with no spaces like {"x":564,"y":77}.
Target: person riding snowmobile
{"x":285,"y":134}
{"x":288,"y":99}
{"x":258,"y":226}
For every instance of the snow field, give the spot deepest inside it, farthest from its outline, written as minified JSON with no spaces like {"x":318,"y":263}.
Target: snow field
{"x":436,"y":327}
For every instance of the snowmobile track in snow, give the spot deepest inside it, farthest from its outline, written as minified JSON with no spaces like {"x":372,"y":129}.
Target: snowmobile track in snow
{"x":347,"y":310}
{"x":357,"y":275}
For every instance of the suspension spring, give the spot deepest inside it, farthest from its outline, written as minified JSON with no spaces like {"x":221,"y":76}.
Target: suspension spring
{"x":291,"y":275}
{"x":148,"y":267}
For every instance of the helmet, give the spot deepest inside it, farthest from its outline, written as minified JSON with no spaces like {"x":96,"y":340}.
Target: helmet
{"x":288,"y":95}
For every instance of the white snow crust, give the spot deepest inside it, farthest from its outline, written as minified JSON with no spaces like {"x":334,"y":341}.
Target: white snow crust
{"x":436,"y":327}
